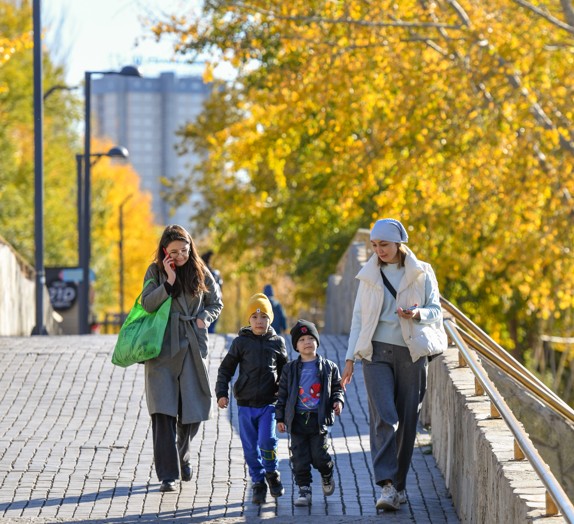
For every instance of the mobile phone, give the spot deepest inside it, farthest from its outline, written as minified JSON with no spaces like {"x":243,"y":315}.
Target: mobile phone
{"x":172,"y":263}
{"x":410,"y":308}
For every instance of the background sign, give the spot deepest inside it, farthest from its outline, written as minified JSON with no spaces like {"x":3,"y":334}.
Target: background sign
{"x":63,"y":295}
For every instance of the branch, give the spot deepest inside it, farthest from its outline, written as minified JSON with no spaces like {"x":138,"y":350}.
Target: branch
{"x":559,"y":340}
{"x":460,"y":12}
{"x":344,"y":20}
{"x":546,"y":16}
{"x":568,"y":11}
{"x":332,"y":44}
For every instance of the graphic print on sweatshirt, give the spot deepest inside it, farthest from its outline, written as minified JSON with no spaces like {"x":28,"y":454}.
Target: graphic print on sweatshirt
{"x":309,"y":387}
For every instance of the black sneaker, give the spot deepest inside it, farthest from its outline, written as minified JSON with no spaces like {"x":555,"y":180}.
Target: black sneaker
{"x":186,"y":472}
{"x":276,"y":488}
{"x":259,"y":492}
{"x":167,"y":485}
{"x":328,"y":484}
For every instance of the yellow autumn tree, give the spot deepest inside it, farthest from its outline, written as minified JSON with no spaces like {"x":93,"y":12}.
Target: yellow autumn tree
{"x":114,"y":186}
{"x":455,"y":118}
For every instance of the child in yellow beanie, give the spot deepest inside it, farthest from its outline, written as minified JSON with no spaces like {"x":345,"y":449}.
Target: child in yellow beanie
{"x":260,"y":354}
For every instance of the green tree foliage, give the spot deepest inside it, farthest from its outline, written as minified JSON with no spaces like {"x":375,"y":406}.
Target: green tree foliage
{"x":17,"y":146}
{"x":455,"y":117}
{"x":110,"y":183}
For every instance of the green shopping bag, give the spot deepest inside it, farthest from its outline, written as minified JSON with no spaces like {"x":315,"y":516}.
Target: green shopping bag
{"x":141,"y":335}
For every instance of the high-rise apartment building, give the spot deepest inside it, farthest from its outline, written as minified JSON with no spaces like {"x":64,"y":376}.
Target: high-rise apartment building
{"x":143,"y":115}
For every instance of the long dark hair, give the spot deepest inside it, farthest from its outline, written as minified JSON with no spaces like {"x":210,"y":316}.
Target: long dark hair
{"x":190,"y":276}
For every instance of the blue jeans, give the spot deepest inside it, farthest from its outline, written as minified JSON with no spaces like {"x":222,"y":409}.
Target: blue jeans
{"x":259,"y":440}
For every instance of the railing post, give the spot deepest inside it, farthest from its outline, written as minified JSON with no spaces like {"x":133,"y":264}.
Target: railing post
{"x":518,"y":453}
{"x":461,"y":362}
{"x":494,"y":413}
{"x":478,"y":389}
{"x":551,"y":508}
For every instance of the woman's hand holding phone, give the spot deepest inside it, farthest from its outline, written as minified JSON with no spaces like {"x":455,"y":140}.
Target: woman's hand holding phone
{"x":409,"y":312}
{"x":168,"y":259}
{"x":169,"y":266}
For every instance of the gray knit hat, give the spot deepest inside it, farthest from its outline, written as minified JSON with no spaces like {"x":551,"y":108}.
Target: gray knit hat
{"x":390,"y":230}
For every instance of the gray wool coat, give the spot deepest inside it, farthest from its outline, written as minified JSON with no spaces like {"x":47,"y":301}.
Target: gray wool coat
{"x":181,"y":367}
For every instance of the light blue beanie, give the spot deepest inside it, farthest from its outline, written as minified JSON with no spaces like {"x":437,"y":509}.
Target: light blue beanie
{"x":389,"y":230}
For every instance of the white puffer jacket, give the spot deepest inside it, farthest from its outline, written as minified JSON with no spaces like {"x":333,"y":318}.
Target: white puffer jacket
{"x":370,"y":298}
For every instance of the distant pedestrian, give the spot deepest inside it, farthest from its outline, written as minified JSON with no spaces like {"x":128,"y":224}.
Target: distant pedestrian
{"x":260,"y":354}
{"x":279,"y":318}
{"x":176,"y":382}
{"x":206,"y":257}
{"x":398,"y":295}
{"x":310,"y":395}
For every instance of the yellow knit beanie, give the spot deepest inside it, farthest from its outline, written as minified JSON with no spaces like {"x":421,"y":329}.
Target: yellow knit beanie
{"x":259,"y":302}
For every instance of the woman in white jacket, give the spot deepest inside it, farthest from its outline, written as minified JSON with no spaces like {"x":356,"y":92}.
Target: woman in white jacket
{"x":388,"y":319}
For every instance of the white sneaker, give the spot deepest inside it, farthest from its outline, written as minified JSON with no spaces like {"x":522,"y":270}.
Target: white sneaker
{"x":389,"y":499}
{"x":403,"y":496}
{"x":304,"y":498}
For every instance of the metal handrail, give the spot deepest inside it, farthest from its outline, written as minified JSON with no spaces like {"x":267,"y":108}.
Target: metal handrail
{"x":554,"y":489}
{"x":522,"y":376}
{"x":502,"y":359}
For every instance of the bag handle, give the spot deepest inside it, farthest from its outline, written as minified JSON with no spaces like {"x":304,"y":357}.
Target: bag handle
{"x":144,"y":286}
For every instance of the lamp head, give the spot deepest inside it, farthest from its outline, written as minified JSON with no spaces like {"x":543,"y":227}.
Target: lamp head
{"x":118,"y":152}
{"x":130,"y":71}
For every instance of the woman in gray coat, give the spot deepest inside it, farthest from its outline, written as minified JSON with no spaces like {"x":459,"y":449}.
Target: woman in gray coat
{"x":177,"y":384}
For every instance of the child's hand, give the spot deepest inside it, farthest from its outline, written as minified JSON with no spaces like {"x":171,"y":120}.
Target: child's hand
{"x":223,"y":402}
{"x":281,"y":427}
{"x":337,"y":408}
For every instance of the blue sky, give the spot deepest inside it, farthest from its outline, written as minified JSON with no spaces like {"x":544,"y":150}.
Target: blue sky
{"x":96,"y":35}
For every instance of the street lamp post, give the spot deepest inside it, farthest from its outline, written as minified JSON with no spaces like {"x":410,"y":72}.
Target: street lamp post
{"x":39,"y":98}
{"x":121,"y":249}
{"x":39,"y":327}
{"x":86,"y":207}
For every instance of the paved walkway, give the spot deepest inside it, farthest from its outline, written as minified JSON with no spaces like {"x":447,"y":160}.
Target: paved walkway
{"x":75,"y":446}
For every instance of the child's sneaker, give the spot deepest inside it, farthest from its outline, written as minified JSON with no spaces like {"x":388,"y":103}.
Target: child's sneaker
{"x":389,"y":499}
{"x":403,"y":496}
{"x":275,"y":486}
{"x":328,"y":484}
{"x":259,"y":492}
{"x":304,"y":498}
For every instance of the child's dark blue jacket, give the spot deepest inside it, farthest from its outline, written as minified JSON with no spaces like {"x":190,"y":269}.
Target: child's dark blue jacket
{"x":331,"y":392}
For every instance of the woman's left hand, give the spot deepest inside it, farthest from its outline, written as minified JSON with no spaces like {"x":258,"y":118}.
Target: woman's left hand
{"x":409,"y":314}
{"x":200,"y":323}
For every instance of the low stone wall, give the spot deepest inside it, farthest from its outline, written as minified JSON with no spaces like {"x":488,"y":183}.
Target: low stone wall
{"x":475,"y":452}
{"x":556,"y":447}
{"x":18,"y":296}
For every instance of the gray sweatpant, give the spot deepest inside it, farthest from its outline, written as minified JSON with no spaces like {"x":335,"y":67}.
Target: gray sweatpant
{"x":395,"y":390}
